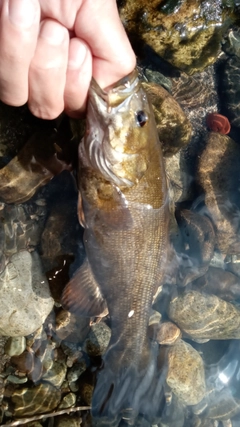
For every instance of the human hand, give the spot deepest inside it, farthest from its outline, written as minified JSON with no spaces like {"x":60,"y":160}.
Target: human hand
{"x":50,"y":49}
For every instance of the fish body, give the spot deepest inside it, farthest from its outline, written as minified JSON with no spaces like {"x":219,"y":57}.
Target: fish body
{"x":123,"y":205}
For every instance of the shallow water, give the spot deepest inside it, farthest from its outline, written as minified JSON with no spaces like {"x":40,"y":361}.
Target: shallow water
{"x":49,"y":357}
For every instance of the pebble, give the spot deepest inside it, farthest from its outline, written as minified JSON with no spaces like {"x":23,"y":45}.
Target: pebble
{"x":68,"y":401}
{"x":72,"y":327}
{"x":15,"y":346}
{"x":76,"y":370}
{"x":56,"y":374}
{"x":16,"y":380}
{"x":97,"y":340}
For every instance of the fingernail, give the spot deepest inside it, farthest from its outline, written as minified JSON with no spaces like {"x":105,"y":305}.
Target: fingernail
{"x":77,"y":54}
{"x":23,"y":13}
{"x":53,"y":32}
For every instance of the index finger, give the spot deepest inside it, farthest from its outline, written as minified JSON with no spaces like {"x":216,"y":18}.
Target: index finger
{"x":113,"y":57}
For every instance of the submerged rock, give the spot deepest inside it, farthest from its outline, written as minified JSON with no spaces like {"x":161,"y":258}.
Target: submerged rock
{"x":198,"y":239}
{"x":97,"y":340}
{"x":186,"y":376}
{"x":174,"y":128}
{"x":218,"y":174}
{"x":189,"y":92}
{"x":203,"y":316}
{"x":25,"y":300}
{"x":219,"y":282}
{"x":15,"y":346}
{"x":230,"y":89}
{"x":185,"y":33}
{"x":36,"y":400}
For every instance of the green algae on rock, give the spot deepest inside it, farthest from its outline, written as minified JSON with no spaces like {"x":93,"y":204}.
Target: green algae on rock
{"x":185,"y":33}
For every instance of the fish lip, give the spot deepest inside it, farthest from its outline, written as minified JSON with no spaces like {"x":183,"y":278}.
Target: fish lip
{"x":115,"y":94}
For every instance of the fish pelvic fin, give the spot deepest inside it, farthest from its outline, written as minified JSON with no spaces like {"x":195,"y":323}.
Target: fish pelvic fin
{"x":82,"y":295}
{"x":122,"y":392}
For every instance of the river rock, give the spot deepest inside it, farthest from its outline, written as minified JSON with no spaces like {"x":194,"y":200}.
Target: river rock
{"x":15,"y":346}
{"x":67,"y":421}
{"x":25,"y":300}
{"x":97,"y":340}
{"x":217,"y":175}
{"x":174,"y":128}
{"x":36,"y":400}
{"x":186,"y":375}
{"x":185,"y":33}
{"x":203,"y":316}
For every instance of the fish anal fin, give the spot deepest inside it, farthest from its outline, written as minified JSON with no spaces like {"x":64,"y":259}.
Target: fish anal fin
{"x":82,"y":295}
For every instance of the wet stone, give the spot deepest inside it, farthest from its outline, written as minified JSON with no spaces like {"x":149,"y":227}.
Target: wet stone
{"x":97,"y":340}
{"x":56,"y":375}
{"x":27,"y":363}
{"x":16,"y":380}
{"x":185,"y":33}
{"x":20,"y":228}
{"x":186,"y":376}
{"x":219,"y":282}
{"x":15,"y":346}
{"x":168,"y":333}
{"x":76,"y":370}
{"x":71,"y":327}
{"x":221,"y":194}
{"x":48,"y":356}
{"x":189,"y":92}
{"x":86,"y":392}
{"x":222,"y":405}
{"x":36,"y":400}
{"x":198,"y":241}
{"x":174,"y":128}
{"x":74,"y":387}
{"x":203,"y":316}
{"x":67,"y":421}
{"x":24,"y":295}
{"x":230,"y":92}
{"x":68,"y":401}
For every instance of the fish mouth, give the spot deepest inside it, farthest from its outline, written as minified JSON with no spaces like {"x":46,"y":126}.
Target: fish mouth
{"x":115,"y":94}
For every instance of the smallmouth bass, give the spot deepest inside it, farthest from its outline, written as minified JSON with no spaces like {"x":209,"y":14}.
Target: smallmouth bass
{"x":123,"y":205}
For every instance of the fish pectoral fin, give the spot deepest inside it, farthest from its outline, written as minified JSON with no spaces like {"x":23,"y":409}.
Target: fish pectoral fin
{"x":82,"y":295}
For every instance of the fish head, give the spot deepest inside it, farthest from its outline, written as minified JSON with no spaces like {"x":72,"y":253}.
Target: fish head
{"x":120,"y":124}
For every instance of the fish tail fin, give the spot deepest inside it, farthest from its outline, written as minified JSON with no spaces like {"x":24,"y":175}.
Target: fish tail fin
{"x":125,"y":388}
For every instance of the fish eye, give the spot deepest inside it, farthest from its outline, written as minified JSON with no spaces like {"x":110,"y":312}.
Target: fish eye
{"x":141,"y":118}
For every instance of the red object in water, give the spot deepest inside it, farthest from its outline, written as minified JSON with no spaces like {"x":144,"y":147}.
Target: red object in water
{"x":218,"y":123}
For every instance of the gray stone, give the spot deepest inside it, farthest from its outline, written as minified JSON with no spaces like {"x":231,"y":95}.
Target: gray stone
{"x":15,"y":346}
{"x":97,"y":340}
{"x":25,"y":300}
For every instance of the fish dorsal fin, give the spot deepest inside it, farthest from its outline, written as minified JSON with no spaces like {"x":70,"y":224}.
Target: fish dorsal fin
{"x":82,"y":295}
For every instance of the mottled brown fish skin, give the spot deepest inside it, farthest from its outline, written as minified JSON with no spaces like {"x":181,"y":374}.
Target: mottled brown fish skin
{"x":126,"y":233}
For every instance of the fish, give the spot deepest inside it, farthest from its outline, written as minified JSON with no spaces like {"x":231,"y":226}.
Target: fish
{"x":124,"y":207}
